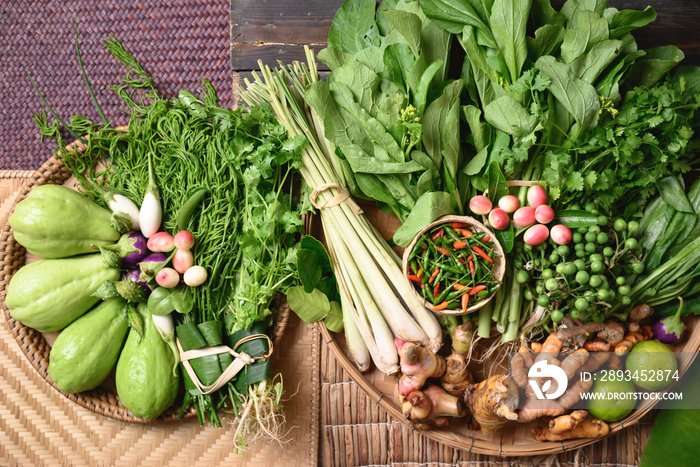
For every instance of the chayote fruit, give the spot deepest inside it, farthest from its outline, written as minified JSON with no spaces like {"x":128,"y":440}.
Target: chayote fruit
{"x":145,"y":381}
{"x":57,"y":222}
{"x":49,"y":294}
{"x":86,"y":351}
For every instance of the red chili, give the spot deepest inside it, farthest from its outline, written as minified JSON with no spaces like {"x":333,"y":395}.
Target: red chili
{"x":459,"y":245}
{"x":467,"y":233}
{"x":486,"y":239}
{"x":439,"y":234}
{"x":459,"y":225}
{"x":414,"y":278}
{"x":481,"y":253}
{"x":441,"y":306}
{"x":471,"y":267}
{"x":462,"y":260}
{"x":465,"y":302}
{"x":436,"y":292}
{"x":442,"y":250}
{"x":458,"y":286}
{"x":470,"y":257}
{"x":433,"y":276}
{"x":477,"y":289}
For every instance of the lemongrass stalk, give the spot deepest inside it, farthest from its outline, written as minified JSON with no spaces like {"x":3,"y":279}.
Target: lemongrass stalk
{"x":361,"y":267}
{"x":370,"y":324}
{"x":316,"y":171}
{"x":484,"y":327}
{"x":359,"y":352}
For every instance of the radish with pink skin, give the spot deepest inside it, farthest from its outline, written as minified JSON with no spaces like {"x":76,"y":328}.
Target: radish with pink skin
{"x":498,"y":219}
{"x":509,"y":203}
{"x":524,"y":216}
{"x":536,"y":196}
{"x":544,"y":214}
{"x":561,"y":235}
{"x":184,"y":240}
{"x":182,"y":260}
{"x":168,"y":278}
{"x":536,"y":234}
{"x":161,"y":242}
{"x":480,"y":205}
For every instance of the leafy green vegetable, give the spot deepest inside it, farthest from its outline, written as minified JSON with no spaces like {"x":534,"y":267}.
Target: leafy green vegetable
{"x":163,"y":300}
{"x":244,"y":221}
{"x":389,"y":110}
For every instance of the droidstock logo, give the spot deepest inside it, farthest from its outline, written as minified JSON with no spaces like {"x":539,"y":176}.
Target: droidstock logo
{"x":541,"y":370}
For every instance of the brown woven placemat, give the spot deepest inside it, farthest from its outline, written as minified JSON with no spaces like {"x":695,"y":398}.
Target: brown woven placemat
{"x":40,"y":427}
{"x":177,"y":42}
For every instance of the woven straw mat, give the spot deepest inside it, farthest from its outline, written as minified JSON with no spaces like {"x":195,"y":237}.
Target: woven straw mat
{"x":41,"y":427}
{"x":177,"y":42}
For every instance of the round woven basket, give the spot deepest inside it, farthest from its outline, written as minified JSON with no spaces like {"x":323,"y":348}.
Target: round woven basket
{"x":513,"y":440}
{"x":102,"y":400}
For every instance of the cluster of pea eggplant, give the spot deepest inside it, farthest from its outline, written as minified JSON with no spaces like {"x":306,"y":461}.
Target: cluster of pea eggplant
{"x":534,"y":217}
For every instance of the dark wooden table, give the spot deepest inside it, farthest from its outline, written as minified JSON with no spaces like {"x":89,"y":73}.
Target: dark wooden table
{"x":270,"y":30}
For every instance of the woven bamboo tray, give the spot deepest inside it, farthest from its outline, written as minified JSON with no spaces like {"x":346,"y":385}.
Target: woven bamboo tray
{"x":512,"y":441}
{"x":36,"y":346}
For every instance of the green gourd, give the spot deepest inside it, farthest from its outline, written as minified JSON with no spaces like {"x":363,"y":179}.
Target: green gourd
{"x":145,"y":381}
{"x":57,"y":222}
{"x":86,"y":351}
{"x":49,"y":294}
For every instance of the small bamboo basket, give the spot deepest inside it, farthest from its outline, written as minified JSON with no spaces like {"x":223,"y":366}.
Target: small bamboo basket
{"x":36,"y":346}
{"x":498,"y":268}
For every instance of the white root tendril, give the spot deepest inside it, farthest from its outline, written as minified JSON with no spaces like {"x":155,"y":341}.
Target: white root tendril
{"x":496,"y":354}
{"x":261,"y":416}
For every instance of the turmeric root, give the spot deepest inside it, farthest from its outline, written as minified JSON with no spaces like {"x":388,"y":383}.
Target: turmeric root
{"x":492,"y":402}
{"x":613,"y":332}
{"x":573,"y":393}
{"x":550,"y":349}
{"x":418,"y":364}
{"x":567,"y":422}
{"x":519,"y":367}
{"x":573,"y":362}
{"x":457,"y":377}
{"x":595,"y":361}
{"x":432,"y":404}
{"x":634,"y":338}
{"x":536,"y":408}
{"x":640,"y":313}
{"x":597,"y":346}
{"x":567,"y":333}
{"x":591,"y":428}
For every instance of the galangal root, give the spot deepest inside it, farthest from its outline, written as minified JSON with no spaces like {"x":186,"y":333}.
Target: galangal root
{"x":431,"y":406}
{"x":418,"y":363}
{"x":492,"y":402}
{"x":457,"y":376}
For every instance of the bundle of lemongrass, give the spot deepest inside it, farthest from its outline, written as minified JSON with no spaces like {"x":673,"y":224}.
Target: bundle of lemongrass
{"x":376,"y":301}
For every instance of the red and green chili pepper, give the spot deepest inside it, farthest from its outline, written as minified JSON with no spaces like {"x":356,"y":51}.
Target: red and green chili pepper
{"x":457,"y":263}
